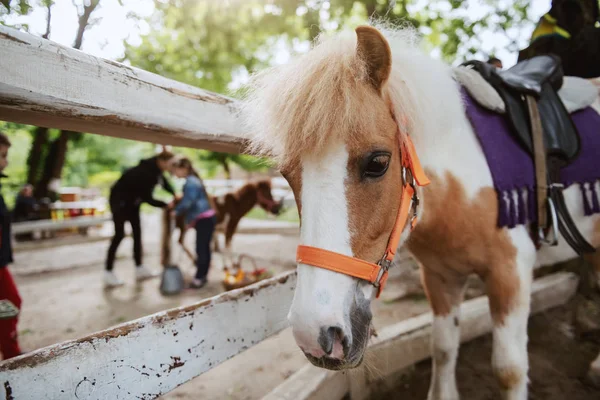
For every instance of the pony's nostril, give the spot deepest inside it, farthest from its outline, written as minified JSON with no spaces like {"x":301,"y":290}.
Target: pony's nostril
{"x":328,"y":336}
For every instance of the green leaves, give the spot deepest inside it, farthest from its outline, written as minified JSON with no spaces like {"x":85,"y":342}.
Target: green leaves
{"x":22,"y":7}
{"x":206,"y":44}
{"x":12,"y":7}
{"x":216,"y":45}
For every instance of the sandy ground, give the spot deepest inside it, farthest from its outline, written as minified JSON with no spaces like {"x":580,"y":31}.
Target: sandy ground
{"x":558,"y":365}
{"x":63,"y":299}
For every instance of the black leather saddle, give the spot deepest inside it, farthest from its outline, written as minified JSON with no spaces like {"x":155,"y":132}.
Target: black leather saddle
{"x":540,"y":77}
{"x":536,"y":81}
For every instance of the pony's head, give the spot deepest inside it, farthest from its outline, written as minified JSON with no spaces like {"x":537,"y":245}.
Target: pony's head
{"x":331,"y":121}
{"x":265,"y":198}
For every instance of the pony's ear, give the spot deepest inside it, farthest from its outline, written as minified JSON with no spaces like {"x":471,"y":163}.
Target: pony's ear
{"x":375,"y":51}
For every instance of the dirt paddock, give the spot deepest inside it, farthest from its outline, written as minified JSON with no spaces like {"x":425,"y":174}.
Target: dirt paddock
{"x":558,"y":364}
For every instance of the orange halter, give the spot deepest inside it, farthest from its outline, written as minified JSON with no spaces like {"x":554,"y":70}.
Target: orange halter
{"x":377,"y":274}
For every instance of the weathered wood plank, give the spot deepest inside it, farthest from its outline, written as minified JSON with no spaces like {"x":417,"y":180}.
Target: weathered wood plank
{"x":145,"y":358}
{"x":401,"y":345}
{"x":43,"y":83}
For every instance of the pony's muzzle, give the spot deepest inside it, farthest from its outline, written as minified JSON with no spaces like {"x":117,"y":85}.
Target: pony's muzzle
{"x":334,"y":342}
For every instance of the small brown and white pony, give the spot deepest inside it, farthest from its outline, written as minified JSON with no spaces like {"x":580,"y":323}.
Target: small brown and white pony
{"x":331,"y":118}
{"x":232,"y":207}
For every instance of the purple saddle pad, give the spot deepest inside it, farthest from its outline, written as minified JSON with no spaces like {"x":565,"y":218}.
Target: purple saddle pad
{"x":512,"y":167}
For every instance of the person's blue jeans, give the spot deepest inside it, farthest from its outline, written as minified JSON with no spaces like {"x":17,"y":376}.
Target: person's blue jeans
{"x":204,"y":231}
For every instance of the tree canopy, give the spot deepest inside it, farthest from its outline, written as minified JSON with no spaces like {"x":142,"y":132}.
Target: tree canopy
{"x":214,"y":45}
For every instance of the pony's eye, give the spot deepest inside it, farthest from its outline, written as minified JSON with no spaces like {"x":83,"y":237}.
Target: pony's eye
{"x":376,"y":165}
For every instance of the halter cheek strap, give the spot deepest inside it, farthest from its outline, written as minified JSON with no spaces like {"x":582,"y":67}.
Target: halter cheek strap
{"x":377,"y":273}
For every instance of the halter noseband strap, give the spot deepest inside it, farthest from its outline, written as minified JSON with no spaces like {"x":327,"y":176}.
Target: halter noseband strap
{"x":265,"y":202}
{"x":377,"y":274}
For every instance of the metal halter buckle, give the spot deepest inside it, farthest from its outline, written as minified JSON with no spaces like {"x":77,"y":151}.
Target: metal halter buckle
{"x":409,"y":179}
{"x":415,"y":205}
{"x":385,"y":265}
{"x":406,"y":174}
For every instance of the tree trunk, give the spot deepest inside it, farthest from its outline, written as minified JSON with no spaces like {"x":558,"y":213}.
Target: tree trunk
{"x":61,"y":153}
{"x":40,"y":139}
{"x":226,"y":168}
{"x":34,"y":159}
{"x":55,"y":160}
{"x":84,"y":20}
{"x":48,"y":19}
{"x":41,"y":188}
{"x":57,"y":164}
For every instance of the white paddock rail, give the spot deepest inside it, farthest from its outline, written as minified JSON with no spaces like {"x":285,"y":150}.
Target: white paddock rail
{"x":51,"y":225}
{"x":145,"y":358}
{"x":45,"y":84}
{"x":401,"y":345}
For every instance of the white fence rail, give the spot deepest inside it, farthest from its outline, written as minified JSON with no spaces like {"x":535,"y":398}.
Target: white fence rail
{"x":145,"y":358}
{"x":45,"y":84}
{"x":408,"y":342}
{"x":51,"y":225}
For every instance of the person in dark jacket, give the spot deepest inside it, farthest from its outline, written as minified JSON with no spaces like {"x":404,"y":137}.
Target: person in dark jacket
{"x":199,"y":213}
{"x":25,"y":205}
{"x":26,"y":209}
{"x":9,"y":344}
{"x":126,"y":196}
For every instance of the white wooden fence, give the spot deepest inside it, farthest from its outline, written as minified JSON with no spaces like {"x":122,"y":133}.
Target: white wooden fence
{"x":51,"y":225}
{"x":46,"y":84}
{"x":145,"y":358}
{"x":407,"y":342}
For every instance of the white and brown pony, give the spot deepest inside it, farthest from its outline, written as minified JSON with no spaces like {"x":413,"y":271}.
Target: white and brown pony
{"x":334,"y":119}
{"x":232,"y":207}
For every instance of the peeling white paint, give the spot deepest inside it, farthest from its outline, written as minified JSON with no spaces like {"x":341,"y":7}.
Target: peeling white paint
{"x":145,"y":358}
{"x":46,"y":84}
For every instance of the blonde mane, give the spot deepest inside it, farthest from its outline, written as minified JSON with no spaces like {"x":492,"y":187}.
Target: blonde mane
{"x":322,"y":95}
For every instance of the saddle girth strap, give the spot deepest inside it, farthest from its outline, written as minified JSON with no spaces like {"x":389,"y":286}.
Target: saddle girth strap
{"x":541,"y":181}
{"x":549,"y":189}
{"x":566,"y":225}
